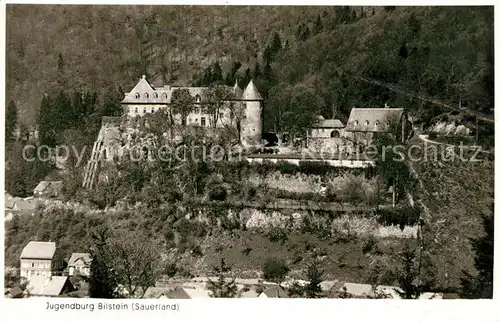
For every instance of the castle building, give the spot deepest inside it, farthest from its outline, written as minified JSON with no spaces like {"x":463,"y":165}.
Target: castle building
{"x":144,"y":98}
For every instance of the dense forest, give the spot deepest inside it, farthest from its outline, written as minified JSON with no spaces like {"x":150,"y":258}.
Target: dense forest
{"x":302,"y":58}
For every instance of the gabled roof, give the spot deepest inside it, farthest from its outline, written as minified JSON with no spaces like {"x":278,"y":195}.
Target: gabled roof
{"x":43,"y":185}
{"x":47,"y":286}
{"x":328,"y":123}
{"x":85,"y":257}
{"x":251,"y":93}
{"x":39,"y":250}
{"x":161,"y":95}
{"x":276,"y":292}
{"x":372,"y":119}
{"x":177,"y":294}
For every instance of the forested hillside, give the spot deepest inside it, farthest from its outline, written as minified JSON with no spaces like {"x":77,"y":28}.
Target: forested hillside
{"x":301,"y":57}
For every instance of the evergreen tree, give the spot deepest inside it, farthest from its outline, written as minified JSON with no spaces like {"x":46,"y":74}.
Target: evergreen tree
{"x":10,"y":121}
{"x":276,"y":44}
{"x":222,"y":288}
{"x":318,"y":26}
{"x":46,"y":123}
{"x":481,"y":284}
{"x":102,"y":281}
{"x":256,"y":70}
{"x":314,"y":278}
{"x":217,"y":73}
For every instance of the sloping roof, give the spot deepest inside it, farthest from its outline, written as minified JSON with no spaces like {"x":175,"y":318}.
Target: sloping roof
{"x":42,"y":186}
{"x":9,"y":201}
{"x":196,"y":293}
{"x":358,"y":289}
{"x":15,"y":292}
{"x":39,"y":250}
{"x":26,"y":203}
{"x":48,"y":286}
{"x":177,"y":294}
{"x":251,"y":93}
{"x":155,"y":292}
{"x":85,"y":257}
{"x":164,"y":94}
{"x":372,"y":119}
{"x":276,"y":291}
{"x":328,"y":123}
{"x":249,"y":294}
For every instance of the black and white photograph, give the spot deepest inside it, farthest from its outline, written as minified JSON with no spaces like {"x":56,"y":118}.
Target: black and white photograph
{"x":165,"y":152}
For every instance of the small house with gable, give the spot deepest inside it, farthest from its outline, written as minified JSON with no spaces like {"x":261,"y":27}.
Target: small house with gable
{"x":36,"y":259}
{"x":79,"y":264}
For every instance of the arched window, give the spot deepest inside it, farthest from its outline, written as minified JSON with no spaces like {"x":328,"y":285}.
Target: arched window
{"x":136,"y":110}
{"x":146,"y":95}
{"x":137,"y":95}
{"x":152,"y":110}
{"x":366,"y":123}
{"x":197,"y":99}
{"x":356,"y":123}
{"x":155,"y":95}
{"x":164,"y":96}
{"x":377,"y":123}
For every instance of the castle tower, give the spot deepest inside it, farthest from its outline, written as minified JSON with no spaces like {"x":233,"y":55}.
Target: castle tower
{"x":251,"y":128}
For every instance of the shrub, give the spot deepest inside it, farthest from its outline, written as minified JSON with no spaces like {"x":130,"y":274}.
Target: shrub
{"x":171,"y":269}
{"x":368,"y":244}
{"x":402,"y":216}
{"x":275,"y":270}
{"x":277,"y":234}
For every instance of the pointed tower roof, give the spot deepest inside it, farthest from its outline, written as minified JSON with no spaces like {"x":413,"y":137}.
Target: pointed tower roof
{"x":237,"y":89}
{"x":251,"y":93}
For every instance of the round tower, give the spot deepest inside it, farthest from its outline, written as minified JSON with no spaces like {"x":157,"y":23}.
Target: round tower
{"x":251,"y":127}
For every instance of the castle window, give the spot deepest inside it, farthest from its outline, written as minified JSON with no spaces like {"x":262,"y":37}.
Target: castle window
{"x":355,"y":122}
{"x":152,"y":110}
{"x":197,"y":99}
{"x":155,"y":95}
{"x":203,"y":121}
{"x":366,"y":123}
{"x":146,"y":95}
{"x":377,"y":123}
{"x":137,"y":95}
{"x":164,"y":96}
{"x":136,"y":110}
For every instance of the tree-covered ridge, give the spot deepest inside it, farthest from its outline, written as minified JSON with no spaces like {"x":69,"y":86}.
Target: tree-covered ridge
{"x":296,"y":54}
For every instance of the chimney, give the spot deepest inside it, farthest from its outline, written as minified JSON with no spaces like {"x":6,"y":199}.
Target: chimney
{"x":143,"y":76}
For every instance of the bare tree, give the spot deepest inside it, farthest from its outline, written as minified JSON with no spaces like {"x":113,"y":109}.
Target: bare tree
{"x":215,"y":101}
{"x":137,"y":262}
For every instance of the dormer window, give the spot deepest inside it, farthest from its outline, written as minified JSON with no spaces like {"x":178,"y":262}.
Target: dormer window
{"x":146,"y":95}
{"x":164,"y":96}
{"x":377,"y":123}
{"x":356,"y":123}
{"x":366,"y":123}
{"x":155,"y":95}
{"x":137,"y":95}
